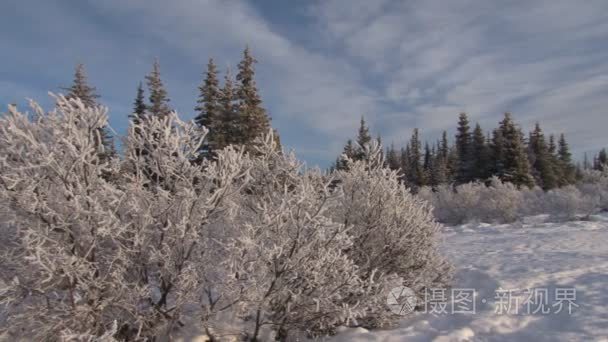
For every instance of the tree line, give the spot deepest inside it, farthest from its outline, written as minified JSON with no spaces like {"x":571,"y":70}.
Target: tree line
{"x":232,"y":112}
{"x":475,"y":155}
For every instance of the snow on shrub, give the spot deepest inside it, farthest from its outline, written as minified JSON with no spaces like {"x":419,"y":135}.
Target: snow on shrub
{"x":394,"y":232}
{"x":569,"y":202}
{"x":595,"y":184}
{"x":502,"y":202}
{"x":254,"y":246}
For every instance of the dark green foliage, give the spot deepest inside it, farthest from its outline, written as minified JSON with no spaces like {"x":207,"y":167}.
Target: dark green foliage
{"x":568,"y":171}
{"x":158,"y":94}
{"x":363,"y":139}
{"x":480,"y":155}
{"x":463,"y":148}
{"x":543,"y":168}
{"x":601,"y":161}
{"x":209,"y":109}
{"x":514,"y":157}
{"x":254,"y":120}
{"x":415,"y":172}
{"x":139,"y":106}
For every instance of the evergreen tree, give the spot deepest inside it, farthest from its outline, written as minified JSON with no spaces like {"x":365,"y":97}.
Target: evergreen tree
{"x":463,"y":148}
{"x":439,"y":171}
{"x":565,"y":162}
{"x":139,"y":106}
{"x":82,"y":90}
{"x":208,"y":109}
{"x":601,"y":161}
{"x":497,"y":148}
{"x":479,"y":155}
{"x":416,"y":172}
{"x":516,"y":165}
{"x":158,"y":95}
{"x":449,"y":159}
{"x":254,"y":120}
{"x":228,"y":121}
{"x":392,"y":158}
{"x":350,"y":152}
{"x":138,"y":115}
{"x":540,"y":159}
{"x":406,"y":168}
{"x":363,"y":138}
{"x":427,"y":164}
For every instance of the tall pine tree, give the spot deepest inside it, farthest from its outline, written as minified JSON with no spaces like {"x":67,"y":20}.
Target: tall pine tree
{"x":363,"y":139}
{"x":479,"y":155}
{"x":568,"y":171}
{"x":540,"y":159}
{"x":139,"y":106}
{"x":208,"y":109}
{"x":415,"y":172}
{"x":159,"y":102}
{"x":82,"y":90}
{"x":254,"y":120}
{"x":463,"y":148}
{"x":515,"y":159}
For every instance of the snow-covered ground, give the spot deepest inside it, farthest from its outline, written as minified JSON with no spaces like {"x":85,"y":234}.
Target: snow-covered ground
{"x":569,"y":258}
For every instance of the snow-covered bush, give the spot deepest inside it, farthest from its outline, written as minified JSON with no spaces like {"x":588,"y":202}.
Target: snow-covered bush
{"x":502,"y":202}
{"x":91,"y":255}
{"x":394,"y":232}
{"x":569,"y":202}
{"x":595,"y":184}
{"x":284,"y":259}
{"x":499,"y":201}
{"x":132,"y":248}
{"x":496,"y":202}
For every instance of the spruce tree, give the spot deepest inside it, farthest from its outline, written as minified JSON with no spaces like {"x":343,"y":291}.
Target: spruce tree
{"x":363,"y":139}
{"x":208,"y":109}
{"x":601,"y":161}
{"x":565,"y":161}
{"x":416,"y":171}
{"x":439,"y":170}
{"x":427,"y":164}
{"x":479,"y":155}
{"x":540,"y":159}
{"x":254,"y":120}
{"x":158,"y":95}
{"x":81,"y":89}
{"x":87,"y":94}
{"x":228,"y":120}
{"x":349,"y":152}
{"x":463,"y":147}
{"x":516,"y":165}
{"x":139,"y":106}
{"x":448,"y":158}
{"x":406,"y":169}
{"x":554,"y":158}
{"x":392,"y":158}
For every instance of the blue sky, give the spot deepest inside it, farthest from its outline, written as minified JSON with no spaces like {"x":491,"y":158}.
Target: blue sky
{"x":323,"y":64}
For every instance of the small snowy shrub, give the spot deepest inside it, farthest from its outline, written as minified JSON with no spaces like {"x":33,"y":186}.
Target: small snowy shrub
{"x":498,"y":202}
{"x":394,"y":232}
{"x":595,"y":184}
{"x":568,"y":202}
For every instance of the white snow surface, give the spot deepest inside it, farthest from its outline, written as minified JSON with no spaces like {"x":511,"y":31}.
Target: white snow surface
{"x":531,"y":254}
